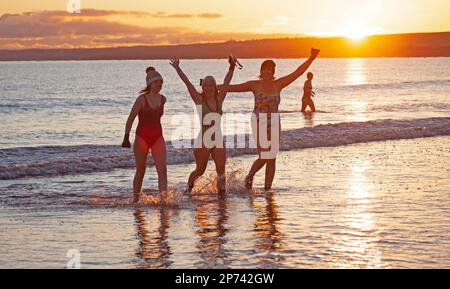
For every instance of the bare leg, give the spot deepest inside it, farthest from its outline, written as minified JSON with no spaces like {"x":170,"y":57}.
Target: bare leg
{"x":270,"y":173}
{"x":159,"y":154}
{"x":304,"y":105}
{"x":140,"y":154}
{"x":201,"y":161}
{"x":312,"y":106}
{"x":257,"y":165}
{"x":219,"y":156}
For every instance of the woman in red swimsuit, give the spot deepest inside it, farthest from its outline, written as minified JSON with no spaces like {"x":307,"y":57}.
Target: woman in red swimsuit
{"x":149,"y":107}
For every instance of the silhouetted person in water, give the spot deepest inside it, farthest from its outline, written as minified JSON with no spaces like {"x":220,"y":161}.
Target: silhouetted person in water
{"x":149,"y":108}
{"x":308,"y":93}
{"x":267,"y":96}
{"x":209,"y":101}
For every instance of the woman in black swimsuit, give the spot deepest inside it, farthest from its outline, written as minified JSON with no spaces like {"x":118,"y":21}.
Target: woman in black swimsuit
{"x":210,"y":102}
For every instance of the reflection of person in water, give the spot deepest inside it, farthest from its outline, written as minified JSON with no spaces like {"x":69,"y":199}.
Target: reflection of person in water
{"x":309,"y":119}
{"x":211,"y":218}
{"x":269,"y":237}
{"x":308,"y":94}
{"x":154,"y":251}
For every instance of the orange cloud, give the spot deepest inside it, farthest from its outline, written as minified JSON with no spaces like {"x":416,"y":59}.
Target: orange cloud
{"x":201,"y":15}
{"x":209,"y":15}
{"x":96,"y":28}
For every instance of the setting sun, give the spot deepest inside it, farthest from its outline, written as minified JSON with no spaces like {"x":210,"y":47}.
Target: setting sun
{"x":355,"y":33}
{"x":47,"y":24}
{"x":358,"y":31}
{"x":227,"y":136}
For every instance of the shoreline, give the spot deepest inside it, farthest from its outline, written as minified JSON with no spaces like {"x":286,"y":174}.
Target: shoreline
{"x":28,"y":162}
{"x":376,"y":210}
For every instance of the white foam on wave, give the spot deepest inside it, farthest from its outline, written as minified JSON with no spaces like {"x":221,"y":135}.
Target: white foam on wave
{"x":63,"y":160}
{"x":416,"y":107}
{"x":358,"y":132}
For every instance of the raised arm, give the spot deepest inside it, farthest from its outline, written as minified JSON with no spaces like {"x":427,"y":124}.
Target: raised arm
{"x":175,"y":62}
{"x":131,"y":117}
{"x":226,"y":82}
{"x":288,"y":79}
{"x":242,"y":87}
{"x":230,"y":72}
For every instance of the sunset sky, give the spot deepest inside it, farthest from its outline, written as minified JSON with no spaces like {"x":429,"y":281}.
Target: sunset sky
{"x":104,"y":23}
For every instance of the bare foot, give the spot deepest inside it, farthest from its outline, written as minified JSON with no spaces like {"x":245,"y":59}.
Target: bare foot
{"x":136,"y":198}
{"x":248,"y":182}
{"x":164,"y":197}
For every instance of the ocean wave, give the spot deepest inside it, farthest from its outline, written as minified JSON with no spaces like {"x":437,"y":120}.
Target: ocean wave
{"x":63,"y":160}
{"x":431,"y":106}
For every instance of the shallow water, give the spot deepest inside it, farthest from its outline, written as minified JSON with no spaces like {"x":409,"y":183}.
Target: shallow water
{"x":374,"y":205}
{"x":361,"y":183}
{"x":87,"y":102}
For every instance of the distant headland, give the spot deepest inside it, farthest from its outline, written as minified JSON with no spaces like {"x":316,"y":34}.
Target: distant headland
{"x":393,"y":45}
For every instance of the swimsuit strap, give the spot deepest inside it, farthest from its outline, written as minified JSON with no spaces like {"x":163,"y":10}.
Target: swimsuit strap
{"x":163,"y":101}
{"x":218,"y":107}
{"x":207,"y":109}
{"x":146,"y":102}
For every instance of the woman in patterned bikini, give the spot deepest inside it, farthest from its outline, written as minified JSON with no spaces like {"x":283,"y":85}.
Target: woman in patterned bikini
{"x":267,"y":91}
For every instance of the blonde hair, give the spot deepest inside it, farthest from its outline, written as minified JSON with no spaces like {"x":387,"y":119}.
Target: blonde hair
{"x":213,"y":80}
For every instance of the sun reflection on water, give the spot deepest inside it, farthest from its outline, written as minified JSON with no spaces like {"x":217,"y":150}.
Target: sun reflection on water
{"x":356,"y":74}
{"x":356,"y":244}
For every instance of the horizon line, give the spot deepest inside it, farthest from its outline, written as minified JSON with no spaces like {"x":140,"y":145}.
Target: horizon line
{"x":291,"y":37}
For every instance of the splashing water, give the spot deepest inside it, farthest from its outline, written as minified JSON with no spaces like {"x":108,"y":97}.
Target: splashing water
{"x":234,"y":175}
{"x":149,"y":198}
{"x":172,"y":198}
